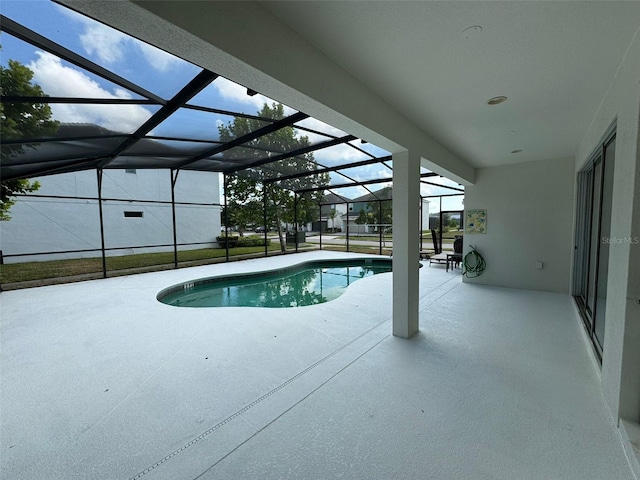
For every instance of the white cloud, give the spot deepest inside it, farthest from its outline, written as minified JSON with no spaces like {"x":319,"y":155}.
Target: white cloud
{"x":105,"y":43}
{"x":99,"y":40}
{"x":338,"y":155}
{"x":158,"y":59}
{"x":233,"y":92}
{"x":61,"y":81}
{"x":350,"y":192}
{"x":109,"y":45}
{"x":321,"y":127}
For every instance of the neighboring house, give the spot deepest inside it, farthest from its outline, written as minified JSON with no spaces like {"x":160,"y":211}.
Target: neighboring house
{"x":363,"y":204}
{"x":424,"y":215}
{"x":63,"y":215}
{"x":332,"y":221}
{"x":45,"y":222}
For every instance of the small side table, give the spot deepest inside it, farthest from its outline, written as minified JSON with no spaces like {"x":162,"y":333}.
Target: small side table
{"x":454,"y":259}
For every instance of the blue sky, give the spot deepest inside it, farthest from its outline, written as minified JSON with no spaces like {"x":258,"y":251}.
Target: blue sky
{"x":153,"y":69}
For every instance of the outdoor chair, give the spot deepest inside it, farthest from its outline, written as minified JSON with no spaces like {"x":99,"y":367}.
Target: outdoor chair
{"x":454,"y":259}
{"x":427,"y":254}
{"x":438,"y":257}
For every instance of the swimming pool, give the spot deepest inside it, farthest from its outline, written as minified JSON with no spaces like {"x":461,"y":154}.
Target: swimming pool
{"x":300,"y":285}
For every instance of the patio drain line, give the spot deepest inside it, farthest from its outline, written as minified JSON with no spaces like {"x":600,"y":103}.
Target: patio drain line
{"x":208,"y":432}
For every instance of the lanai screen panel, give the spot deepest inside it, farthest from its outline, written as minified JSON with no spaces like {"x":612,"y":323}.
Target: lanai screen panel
{"x":111,"y":101}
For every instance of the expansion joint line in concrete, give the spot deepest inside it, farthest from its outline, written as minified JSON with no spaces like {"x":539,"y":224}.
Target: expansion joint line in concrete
{"x":441,"y":295}
{"x":295,"y":404}
{"x":257,"y":401}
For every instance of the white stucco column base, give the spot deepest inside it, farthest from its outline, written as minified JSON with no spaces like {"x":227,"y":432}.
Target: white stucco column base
{"x":406,"y":216}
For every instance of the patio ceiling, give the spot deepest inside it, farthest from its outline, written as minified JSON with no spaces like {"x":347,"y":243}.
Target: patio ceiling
{"x":173,"y":121}
{"x":439,"y":62}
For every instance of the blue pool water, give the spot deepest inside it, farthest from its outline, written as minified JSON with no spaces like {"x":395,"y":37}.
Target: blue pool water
{"x":307,"y":284}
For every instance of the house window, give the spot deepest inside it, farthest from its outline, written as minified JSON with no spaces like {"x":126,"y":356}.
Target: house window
{"x":592,"y":240}
{"x":133,"y":214}
{"x":130,"y":170}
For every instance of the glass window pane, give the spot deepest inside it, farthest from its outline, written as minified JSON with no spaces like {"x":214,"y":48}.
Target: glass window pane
{"x":605,"y":241}
{"x":593,"y":248}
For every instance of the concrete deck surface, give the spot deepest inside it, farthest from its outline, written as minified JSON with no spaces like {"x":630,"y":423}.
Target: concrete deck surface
{"x":101,"y":381}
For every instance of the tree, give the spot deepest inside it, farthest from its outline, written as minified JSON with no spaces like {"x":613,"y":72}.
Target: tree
{"x":332,"y":216}
{"x":446,"y":220}
{"x":18,"y":121}
{"x":252,"y":185}
{"x":363,"y":217}
{"x":381,"y":212}
{"x":372,"y":215}
{"x":9,"y":189}
{"x":242,"y":216}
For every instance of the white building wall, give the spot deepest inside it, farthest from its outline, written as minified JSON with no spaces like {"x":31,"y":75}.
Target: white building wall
{"x":621,"y":352}
{"x":529,"y":219}
{"x":52,"y":225}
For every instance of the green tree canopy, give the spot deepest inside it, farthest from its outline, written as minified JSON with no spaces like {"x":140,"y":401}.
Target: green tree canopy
{"x":20,"y":120}
{"x":377,"y":212}
{"x":242,"y":216}
{"x":249,"y":186}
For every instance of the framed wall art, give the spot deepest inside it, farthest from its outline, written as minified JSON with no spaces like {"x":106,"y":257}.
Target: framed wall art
{"x":476,"y":221}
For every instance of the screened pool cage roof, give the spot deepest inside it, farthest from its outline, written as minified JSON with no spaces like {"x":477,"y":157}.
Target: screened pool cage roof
{"x":119,"y":103}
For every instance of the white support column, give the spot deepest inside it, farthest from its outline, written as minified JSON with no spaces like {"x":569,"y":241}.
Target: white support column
{"x":406,"y":214}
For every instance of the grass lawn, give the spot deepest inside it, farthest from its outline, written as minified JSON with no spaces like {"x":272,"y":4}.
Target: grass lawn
{"x":22,"y":272}
{"x":371,"y":238}
{"x":358,"y":249}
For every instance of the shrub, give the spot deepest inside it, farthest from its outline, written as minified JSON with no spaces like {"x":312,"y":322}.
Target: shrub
{"x":253,"y":241}
{"x":222,"y":241}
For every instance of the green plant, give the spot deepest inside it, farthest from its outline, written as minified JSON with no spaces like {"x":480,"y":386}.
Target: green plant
{"x":253,"y":241}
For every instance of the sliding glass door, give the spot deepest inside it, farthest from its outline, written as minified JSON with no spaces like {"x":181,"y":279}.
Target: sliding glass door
{"x":592,"y":240}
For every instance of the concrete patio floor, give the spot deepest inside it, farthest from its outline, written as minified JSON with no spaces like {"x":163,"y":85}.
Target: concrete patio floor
{"x":101,"y":381}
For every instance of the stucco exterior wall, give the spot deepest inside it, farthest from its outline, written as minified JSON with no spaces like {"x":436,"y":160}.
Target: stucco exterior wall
{"x":621,"y":353}
{"x":529,"y":219}
{"x":41,"y":224}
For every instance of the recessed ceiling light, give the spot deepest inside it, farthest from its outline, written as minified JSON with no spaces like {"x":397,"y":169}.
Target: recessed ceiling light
{"x":516,"y":151}
{"x":497,"y":100}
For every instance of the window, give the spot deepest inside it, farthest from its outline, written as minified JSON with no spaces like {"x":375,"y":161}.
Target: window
{"x":133,"y":214}
{"x":130,"y":170}
{"x":592,"y":240}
